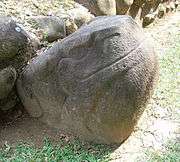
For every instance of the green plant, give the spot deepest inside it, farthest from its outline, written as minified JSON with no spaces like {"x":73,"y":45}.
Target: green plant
{"x":72,"y":151}
{"x":167,"y":96}
{"x":171,"y":153}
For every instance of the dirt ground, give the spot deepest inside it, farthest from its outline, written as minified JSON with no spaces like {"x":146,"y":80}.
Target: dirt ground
{"x":150,"y":132}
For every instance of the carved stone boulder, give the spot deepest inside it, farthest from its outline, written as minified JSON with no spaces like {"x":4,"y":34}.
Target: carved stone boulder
{"x":14,"y":53}
{"x":13,"y":42}
{"x":95,"y":83}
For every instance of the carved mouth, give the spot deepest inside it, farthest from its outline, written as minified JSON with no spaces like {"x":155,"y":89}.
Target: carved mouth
{"x":119,"y":65}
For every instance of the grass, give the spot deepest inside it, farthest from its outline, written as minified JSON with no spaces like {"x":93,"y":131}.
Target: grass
{"x":171,"y":153}
{"x":73,"y":151}
{"x":167,"y":93}
{"x":168,"y":96}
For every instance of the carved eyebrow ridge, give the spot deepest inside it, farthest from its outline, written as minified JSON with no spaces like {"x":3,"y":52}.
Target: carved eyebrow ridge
{"x":115,"y":61}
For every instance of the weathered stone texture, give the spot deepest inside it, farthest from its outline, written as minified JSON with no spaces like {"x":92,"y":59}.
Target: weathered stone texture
{"x":95,"y":83}
{"x":14,"y":54}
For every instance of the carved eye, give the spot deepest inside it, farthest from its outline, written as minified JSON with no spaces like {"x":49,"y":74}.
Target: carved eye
{"x":18,"y":29}
{"x":124,"y":66}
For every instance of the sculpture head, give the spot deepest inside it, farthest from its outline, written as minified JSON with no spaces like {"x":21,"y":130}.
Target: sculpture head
{"x":97,"y":80}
